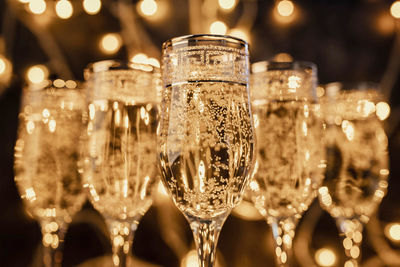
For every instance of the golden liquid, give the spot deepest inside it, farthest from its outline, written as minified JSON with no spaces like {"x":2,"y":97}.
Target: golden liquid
{"x":290,"y":165}
{"x":206,"y":146}
{"x":356,"y":179}
{"x":46,"y":157}
{"x":121,"y":162}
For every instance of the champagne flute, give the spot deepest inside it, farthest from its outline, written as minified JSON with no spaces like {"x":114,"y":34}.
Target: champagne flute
{"x":120,"y":162}
{"x":46,"y":157}
{"x":290,"y":163}
{"x":206,"y":137}
{"x":356,"y":145}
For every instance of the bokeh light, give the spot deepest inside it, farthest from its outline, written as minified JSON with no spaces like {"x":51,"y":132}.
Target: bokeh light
{"x":190,"y":260}
{"x":246,"y":211}
{"x":110,"y":43}
{"x":240,"y":33}
{"x":37,"y":74}
{"x":59,"y":83}
{"x":71,"y":84}
{"x":3,"y":66}
{"x":140,"y":58}
{"x":395,"y":10}
{"x":382,"y":110}
{"x":154,"y":62}
{"x":285,"y":8}
{"x":147,"y":7}
{"x":64,"y":9}
{"x":392,"y":231}
{"x":37,"y":6}
{"x":5,"y":70}
{"x":218,"y":27}
{"x":227,"y":4}
{"x":325,"y":257}
{"x":92,"y":7}
{"x":384,"y":24}
{"x":24,"y":1}
{"x":283,"y":57}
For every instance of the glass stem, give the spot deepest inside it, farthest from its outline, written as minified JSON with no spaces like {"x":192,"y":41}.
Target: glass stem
{"x":121,"y":238}
{"x":283,"y":230}
{"x":351,"y":232}
{"x":52,"y":240}
{"x":206,"y":233}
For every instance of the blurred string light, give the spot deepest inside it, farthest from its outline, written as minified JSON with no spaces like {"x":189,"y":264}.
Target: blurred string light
{"x":147,"y":7}
{"x":325,"y":257}
{"x":37,"y":74}
{"x":24,"y":1}
{"x":37,"y":6}
{"x":110,"y":43}
{"x":392,"y":231}
{"x":227,"y":5}
{"x":395,"y":10}
{"x":240,"y":33}
{"x":91,"y":7}
{"x":64,"y":9}
{"x":218,"y":27}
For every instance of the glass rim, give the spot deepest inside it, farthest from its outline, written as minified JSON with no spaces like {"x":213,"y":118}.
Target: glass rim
{"x":116,"y":64}
{"x":50,"y":84}
{"x":175,"y":41}
{"x":354,"y":85}
{"x":266,"y":65}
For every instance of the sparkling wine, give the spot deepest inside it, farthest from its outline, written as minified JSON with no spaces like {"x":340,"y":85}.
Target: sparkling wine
{"x":46,"y":156}
{"x":356,"y":178}
{"x":121,"y":166}
{"x":207,"y":145}
{"x":289,"y":165}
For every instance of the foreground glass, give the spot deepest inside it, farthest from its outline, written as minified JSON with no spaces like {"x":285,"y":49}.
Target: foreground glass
{"x":290,"y":162}
{"x":120,"y":161}
{"x":206,"y":133}
{"x":356,"y":145}
{"x":46,"y":157}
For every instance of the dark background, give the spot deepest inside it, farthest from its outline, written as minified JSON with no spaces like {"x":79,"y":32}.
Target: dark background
{"x":348,"y":40}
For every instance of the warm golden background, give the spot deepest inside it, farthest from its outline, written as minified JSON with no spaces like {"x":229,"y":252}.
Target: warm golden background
{"x":349,"y":40}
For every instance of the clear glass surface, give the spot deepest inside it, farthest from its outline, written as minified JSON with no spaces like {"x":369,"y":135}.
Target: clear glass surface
{"x":46,"y":158}
{"x":290,"y":162}
{"x":356,"y":146}
{"x":206,"y":137}
{"x":120,"y":160}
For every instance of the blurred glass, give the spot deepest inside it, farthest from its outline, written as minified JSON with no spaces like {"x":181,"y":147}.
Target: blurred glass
{"x":46,"y":157}
{"x":290,"y":162}
{"x":120,"y":161}
{"x":357,"y":159}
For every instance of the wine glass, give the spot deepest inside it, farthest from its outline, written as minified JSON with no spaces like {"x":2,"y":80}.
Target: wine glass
{"x":290,"y":163}
{"x":46,"y":157}
{"x":120,"y":161}
{"x":357,"y":172}
{"x":206,"y":136}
